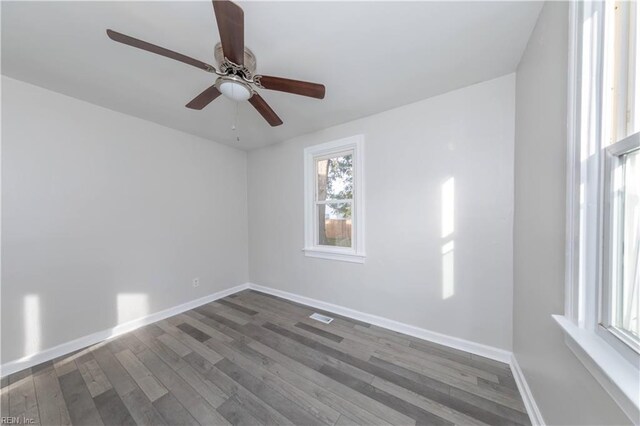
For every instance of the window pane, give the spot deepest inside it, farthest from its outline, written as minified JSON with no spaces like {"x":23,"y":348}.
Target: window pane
{"x":334,"y":224}
{"x":621,"y":95}
{"x":626,"y":296}
{"x":335,"y":178}
{"x":634,"y":70}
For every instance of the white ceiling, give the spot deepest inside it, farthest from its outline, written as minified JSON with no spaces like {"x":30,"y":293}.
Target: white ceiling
{"x":372,"y":56}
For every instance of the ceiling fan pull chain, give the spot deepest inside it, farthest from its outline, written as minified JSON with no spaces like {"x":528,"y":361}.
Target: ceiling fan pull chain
{"x":236,"y":124}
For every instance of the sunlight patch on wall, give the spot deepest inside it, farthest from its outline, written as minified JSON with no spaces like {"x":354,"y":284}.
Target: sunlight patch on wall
{"x":32,"y":332}
{"x":132,"y":306}
{"x":448,"y":188}
{"x":448,"y":228}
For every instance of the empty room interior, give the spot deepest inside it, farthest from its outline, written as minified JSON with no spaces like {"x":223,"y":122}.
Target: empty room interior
{"x":325,"y":213}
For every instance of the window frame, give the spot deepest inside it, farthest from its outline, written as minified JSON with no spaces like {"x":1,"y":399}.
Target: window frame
{"x":328,"y":202}
{"x":617,"y":338}
{"x":613,"y":364}
{"x":355,"y":253}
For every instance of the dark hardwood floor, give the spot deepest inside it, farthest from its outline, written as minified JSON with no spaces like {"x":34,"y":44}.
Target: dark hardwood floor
{"x":255,"y":359}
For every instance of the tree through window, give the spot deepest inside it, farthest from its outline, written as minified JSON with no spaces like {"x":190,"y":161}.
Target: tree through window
{"x":334,"y":180}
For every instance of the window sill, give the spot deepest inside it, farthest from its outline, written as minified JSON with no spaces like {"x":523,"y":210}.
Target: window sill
{"x":616,"y":374}
{"x":334,"y":255}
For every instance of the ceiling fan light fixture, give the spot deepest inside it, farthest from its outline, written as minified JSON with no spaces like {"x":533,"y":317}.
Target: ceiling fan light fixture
{"x":233,"y":89}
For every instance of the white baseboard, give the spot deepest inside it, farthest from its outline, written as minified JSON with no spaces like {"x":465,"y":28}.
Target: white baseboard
{"x":491,"y":352}
{"x":421,"y":333}
{"x":525,"y":392}
{"x":82,"y":342}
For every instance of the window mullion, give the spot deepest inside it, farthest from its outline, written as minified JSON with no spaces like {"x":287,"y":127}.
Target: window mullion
{"x":335,"y":201}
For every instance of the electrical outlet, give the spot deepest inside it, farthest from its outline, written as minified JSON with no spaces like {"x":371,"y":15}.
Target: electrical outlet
{"x":196,"y":282}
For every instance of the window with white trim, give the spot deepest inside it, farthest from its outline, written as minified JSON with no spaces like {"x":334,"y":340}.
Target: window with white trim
{"x":603,"y":189}
{"x":619,"y":320}
{"x":334,"y":200}
{"x":621,"y":190}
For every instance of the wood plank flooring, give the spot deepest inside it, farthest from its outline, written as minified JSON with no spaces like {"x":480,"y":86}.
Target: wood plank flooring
{"x":255,"y":359}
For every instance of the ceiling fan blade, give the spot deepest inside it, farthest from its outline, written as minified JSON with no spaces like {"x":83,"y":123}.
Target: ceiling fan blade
{"x":134,"y":42}
{"x":230,"y":19}
{"x":296,"y":87}
{"x":204,"y":98}
{"x":265,"y":110}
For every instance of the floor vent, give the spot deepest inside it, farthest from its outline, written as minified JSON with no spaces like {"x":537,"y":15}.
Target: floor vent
{"x":321,"y":318}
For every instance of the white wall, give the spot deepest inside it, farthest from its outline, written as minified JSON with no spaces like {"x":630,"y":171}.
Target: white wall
{"x":563,"y":389}
{"x":410,"y":152}
{"x":106,"y":217}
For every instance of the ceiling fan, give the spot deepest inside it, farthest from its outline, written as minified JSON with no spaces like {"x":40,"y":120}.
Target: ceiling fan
{"x":236,"y":66}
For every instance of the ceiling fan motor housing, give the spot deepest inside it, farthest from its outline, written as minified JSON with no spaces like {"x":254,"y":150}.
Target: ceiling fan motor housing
{"x":249,"y":59}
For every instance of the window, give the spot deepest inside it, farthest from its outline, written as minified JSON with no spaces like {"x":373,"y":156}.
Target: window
{"x":621,"y":207}
{"x":334,"y":200}
{"x":621,"y":244}
{"x":603,"y":208}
